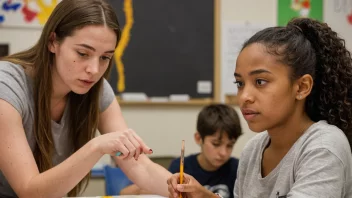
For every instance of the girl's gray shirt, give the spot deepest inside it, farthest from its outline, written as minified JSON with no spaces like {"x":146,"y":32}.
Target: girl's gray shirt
{"x":319,"y":164}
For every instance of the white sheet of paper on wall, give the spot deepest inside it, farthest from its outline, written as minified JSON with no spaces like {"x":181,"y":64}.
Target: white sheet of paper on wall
{"x":204,"y":87}
{"x":233,"y":35}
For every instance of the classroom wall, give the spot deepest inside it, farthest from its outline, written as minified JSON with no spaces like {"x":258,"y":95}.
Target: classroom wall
{"x":163,"y":127}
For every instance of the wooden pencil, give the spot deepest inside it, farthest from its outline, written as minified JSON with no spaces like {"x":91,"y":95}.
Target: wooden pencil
{"x":182,"y":163}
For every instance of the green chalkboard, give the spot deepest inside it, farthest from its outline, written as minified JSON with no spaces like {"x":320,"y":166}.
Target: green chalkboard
{"x":171,"y":47}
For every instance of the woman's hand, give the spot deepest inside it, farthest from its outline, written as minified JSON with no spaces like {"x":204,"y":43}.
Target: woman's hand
{"x":189,"y":189}
{"x":127,"y":142}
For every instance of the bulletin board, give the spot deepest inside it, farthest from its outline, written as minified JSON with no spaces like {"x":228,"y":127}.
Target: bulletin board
{"x":25,"y":13}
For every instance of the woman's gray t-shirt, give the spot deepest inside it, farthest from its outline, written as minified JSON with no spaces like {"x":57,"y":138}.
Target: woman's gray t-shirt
{"x":16,"y":88}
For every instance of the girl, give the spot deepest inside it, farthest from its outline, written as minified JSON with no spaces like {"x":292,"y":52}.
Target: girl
{"x":293,"y":83}
{"x":53,"y":98}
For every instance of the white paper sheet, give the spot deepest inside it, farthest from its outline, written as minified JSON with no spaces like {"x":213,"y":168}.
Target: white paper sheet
{"x":233,"y":35}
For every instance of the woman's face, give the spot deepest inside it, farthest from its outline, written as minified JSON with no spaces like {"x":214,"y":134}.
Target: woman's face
{"x":82,"y":58}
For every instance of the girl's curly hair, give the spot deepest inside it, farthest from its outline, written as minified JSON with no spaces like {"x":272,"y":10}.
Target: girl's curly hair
{"x":311,"y":47}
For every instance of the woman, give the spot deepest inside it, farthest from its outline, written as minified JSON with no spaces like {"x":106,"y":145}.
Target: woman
{"x":53,"y":98}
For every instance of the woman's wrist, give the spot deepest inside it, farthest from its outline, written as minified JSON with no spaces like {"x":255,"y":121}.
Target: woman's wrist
{"x":93,"y":146}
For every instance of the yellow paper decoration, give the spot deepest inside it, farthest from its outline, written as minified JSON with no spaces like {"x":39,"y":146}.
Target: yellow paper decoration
{"x":125,"y":37}
{"x":45,"y":10}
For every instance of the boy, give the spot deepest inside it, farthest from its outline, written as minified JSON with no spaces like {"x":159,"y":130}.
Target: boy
{"x":218,"y":128}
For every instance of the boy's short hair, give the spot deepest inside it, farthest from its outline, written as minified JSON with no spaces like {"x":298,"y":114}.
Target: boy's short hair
{"x":219,"y":117}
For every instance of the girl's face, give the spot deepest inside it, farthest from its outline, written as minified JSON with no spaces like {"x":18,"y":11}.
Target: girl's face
{"x":82,"y":58}
{"x":265,"y":92}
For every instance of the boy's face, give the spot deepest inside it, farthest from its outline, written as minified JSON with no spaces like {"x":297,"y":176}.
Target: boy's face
{"x":215,"y":150}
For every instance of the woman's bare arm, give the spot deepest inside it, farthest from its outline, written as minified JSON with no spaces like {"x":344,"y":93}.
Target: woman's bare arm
{"x":19,"y":167}
{"x":143,"y":172}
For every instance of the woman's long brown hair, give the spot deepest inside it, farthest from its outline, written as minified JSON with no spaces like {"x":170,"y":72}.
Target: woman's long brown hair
{"x":68,"y":16}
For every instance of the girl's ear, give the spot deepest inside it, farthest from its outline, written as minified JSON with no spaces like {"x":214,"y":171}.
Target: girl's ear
{"x":304,"y":86}
{"x":53,"y":45}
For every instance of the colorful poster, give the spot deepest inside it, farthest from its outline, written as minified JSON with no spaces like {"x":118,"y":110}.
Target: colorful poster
{"x":288,"y":9}
{"x":25,"y":13}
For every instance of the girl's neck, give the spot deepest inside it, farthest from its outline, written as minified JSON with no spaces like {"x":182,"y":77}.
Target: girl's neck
{"x":283,"y":137}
